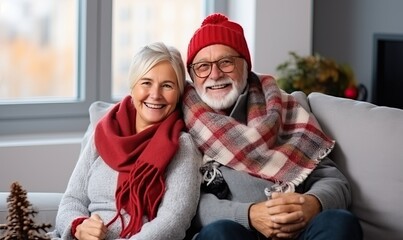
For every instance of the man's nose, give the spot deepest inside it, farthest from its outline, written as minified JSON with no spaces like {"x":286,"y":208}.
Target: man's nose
{"x":216,"y":73}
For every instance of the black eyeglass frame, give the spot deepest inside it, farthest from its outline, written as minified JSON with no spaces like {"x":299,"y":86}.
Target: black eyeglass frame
{"x":191,"y":66}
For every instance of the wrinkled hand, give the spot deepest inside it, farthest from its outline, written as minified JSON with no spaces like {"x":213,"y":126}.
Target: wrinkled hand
{"x":284,"y":216}
{"x":92,"y":228}
{"x":284,"y":206}
{"x":285,"y":212}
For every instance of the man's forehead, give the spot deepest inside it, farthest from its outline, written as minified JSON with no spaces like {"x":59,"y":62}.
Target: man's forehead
{"x":214,"y":52}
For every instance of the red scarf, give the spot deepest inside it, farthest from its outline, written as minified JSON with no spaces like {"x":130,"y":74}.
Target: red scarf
{"x":140,"y":159}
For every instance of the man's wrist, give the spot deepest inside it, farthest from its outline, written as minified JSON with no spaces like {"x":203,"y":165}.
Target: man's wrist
{"x":314,"y":203}
{"x":249,"y":217}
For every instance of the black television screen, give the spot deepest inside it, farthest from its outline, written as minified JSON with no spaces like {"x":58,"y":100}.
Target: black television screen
{"x":387,"y":86}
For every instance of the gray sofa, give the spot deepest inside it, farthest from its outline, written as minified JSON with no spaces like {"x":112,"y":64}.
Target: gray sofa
{"x":369,"y":141}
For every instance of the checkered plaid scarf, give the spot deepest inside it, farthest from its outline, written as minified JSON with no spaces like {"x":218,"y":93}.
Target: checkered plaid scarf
{"x":280,"y":142}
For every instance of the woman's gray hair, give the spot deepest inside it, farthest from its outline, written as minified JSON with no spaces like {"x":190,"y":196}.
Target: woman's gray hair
{"x":152,"y":54}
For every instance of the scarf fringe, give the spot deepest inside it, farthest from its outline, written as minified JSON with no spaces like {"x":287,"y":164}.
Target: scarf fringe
{"x":144,"y":195}
{"x":290,"y":186}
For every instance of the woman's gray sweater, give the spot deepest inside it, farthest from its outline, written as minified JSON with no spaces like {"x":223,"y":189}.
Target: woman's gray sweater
{"x":92,"y":185}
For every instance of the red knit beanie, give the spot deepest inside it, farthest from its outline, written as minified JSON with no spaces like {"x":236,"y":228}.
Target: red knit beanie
{"x":217,"y":29}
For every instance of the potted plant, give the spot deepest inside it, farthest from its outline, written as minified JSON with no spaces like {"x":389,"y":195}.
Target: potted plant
{"x":315,"y":73}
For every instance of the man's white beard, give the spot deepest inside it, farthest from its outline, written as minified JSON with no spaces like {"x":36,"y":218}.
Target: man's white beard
{"x":229,"y":99}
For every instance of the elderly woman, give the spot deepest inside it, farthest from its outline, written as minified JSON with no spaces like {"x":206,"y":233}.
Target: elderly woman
{"x":138,"y":175}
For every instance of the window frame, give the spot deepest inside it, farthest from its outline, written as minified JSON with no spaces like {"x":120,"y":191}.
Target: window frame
{"x":93,"y":74}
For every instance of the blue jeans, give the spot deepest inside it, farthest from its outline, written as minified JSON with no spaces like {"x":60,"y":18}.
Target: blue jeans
{"x":334,"y":224}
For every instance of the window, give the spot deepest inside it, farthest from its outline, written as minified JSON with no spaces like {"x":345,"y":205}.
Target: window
{"x":172,"y":22}
{"x":57,"y":57}
{"x":46,"y":91}
{"x":37,"y":50}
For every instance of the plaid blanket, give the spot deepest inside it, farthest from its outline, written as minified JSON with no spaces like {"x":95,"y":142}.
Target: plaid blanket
{"x":280,"y":142}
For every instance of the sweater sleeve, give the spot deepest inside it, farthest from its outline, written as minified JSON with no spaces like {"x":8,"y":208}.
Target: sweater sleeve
{"x":181,"y":197}
{"x":74,"y":202}
{"x":212,"y":209}
{"x":329,"y":185}
{"x":244,"y":191}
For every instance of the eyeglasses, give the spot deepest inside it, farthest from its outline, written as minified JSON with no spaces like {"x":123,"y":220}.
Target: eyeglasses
{"x":225,"y":64}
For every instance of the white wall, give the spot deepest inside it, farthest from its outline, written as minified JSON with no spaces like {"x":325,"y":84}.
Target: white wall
{"x":344,"y":30}
{"x":42,"y":163}
{"x":274,"y":28}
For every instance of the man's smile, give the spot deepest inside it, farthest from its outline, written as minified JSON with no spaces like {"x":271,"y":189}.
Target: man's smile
{"x":218,"y":86}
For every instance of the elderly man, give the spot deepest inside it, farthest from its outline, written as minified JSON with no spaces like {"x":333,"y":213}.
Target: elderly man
{"x":266,"y":172}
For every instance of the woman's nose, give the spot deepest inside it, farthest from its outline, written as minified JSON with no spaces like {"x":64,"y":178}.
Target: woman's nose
{"x":155,"y":92}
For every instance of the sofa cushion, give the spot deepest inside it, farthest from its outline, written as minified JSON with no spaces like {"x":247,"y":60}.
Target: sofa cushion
{"x":302,"y":99}
{"x":46,"y":204}
{"x":368,"y":151}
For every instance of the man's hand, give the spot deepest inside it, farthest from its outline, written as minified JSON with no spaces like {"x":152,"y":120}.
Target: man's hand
{"x":285,"y":215}
{"x":284,"y":205}
{"x":92,"y":228}
{"x":259,"y":217}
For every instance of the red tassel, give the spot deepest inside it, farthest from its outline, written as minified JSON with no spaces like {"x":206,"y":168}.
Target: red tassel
{"x":145,"y":191}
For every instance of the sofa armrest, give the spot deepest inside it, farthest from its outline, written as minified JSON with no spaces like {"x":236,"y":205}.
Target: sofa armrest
{"x":369,"y":152}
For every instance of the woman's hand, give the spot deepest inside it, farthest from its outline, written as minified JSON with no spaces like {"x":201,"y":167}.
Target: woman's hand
{"x":92,"y":228}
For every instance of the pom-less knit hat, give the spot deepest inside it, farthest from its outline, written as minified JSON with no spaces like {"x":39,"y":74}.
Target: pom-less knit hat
{"x":217,"y":29}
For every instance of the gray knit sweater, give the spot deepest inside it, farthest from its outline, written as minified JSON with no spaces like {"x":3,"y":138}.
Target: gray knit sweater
{"x":91,"y":189}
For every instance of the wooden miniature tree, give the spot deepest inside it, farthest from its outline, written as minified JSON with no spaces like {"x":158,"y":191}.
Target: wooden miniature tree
{"x":20,"y":224}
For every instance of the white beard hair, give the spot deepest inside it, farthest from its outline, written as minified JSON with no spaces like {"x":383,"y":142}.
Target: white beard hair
{"x":228,"y":100}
